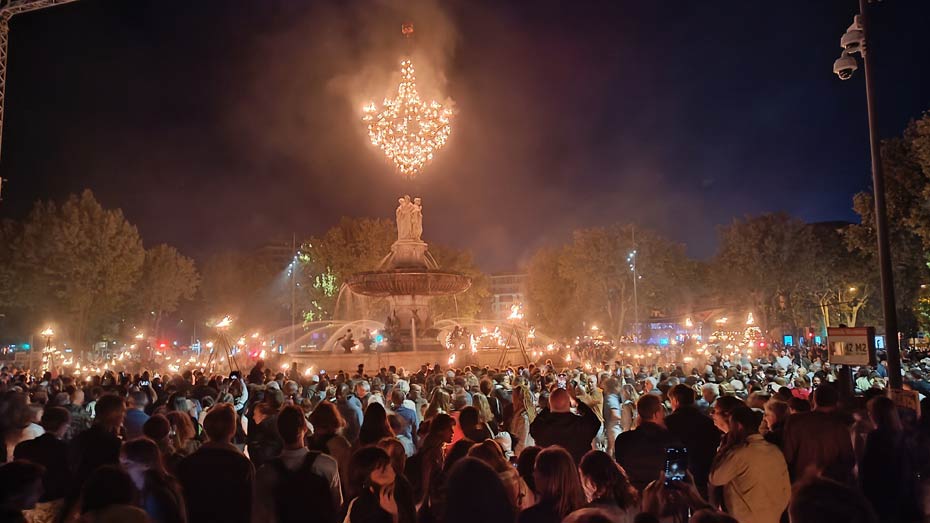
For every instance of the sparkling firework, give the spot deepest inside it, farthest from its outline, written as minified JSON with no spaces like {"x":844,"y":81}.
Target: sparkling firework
{"x":408,"y":130}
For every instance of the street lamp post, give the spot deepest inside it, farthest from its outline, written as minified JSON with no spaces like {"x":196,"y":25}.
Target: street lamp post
{"x":856,"y":40}
{"x":632,"y":259}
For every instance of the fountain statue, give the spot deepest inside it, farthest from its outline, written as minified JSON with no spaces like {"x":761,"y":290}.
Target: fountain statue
{"x":409,"y":277}
{"x":409,"y":217}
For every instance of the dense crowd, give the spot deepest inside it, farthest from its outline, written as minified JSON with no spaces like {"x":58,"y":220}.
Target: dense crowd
{"x":780,"y":437}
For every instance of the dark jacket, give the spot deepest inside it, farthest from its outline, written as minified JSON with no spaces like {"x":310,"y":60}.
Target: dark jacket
{"x":217,"y":483}
{"x":162,"y":499}
{"x":889,"y":477}
{"x":350,"y":409}
{"x":776,"y":435}
{"x":641,"y":452}
{"x":698,"y":433}
{"x":51,"y":453}
{"x":573,"y":432}
{"x":264,"y":442}
{"x":91,"y":449}
{"x":819,"y":441}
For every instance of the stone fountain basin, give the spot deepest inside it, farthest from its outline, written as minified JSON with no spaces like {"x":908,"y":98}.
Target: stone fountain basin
{"x":408,"y":282}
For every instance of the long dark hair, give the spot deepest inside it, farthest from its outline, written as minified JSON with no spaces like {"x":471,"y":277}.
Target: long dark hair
{"x":884,"y":414}
{"x":107,"y":486}
{"x":375,"y":426}
{"x":365,"y":461}
{"x":557,"y":480}
{"x":476,"y":494}
{"x":609,"y":478}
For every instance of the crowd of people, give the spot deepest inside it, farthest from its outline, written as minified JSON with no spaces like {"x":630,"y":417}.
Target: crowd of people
{"x":778,"y":437}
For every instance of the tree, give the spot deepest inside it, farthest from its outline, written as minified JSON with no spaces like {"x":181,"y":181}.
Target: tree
{"x":243,"y":285}
{"x":469,"y":303}
{"x":763,"y":263}
{"x":548,"y":294}
{"x":842,"y":285}
{"x":590,"y":281}
{"x":326,"y":262}
{"x":168,"y":277}
{"x":906,"y":168}
{"x":76,"y":263}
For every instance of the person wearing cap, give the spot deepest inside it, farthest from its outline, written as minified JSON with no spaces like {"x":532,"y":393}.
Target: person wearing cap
{"x":752,"y":471}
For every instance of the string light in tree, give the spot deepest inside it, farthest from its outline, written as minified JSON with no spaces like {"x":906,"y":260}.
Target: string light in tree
{"x":408,"y":130}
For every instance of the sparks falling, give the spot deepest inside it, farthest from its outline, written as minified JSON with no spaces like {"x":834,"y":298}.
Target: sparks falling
{"x":408,"y":130}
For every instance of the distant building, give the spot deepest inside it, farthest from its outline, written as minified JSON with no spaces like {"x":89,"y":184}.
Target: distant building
{"x":506,"y":290}
{"x":276,"y":253}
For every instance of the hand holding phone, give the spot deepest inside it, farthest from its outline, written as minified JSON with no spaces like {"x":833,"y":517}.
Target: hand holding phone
{"x":676,"y":465}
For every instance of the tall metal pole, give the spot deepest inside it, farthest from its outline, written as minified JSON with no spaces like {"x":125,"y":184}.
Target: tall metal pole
{"x":881,"y":225}
{"x":635,"y":278}
{"x":294,"y":291}
{"x":8,"y":9}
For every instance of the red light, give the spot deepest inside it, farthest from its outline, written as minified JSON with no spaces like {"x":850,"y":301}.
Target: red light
{"x":762,"y":344}
{"x":161,"y":345}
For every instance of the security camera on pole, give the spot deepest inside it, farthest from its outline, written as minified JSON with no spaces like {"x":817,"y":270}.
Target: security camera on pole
{"x":856,"y":41}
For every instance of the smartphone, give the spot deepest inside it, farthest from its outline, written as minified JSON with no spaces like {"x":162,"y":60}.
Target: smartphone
{"x":143,"y":383}
{"x":676,"y":464}
{"x":561,"y":382}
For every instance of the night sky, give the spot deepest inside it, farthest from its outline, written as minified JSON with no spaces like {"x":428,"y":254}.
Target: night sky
{"x":226,"y":123}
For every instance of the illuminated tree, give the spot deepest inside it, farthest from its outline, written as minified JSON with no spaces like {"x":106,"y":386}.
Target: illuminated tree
{"x":76,"y":263}
{"x":168,"y":277}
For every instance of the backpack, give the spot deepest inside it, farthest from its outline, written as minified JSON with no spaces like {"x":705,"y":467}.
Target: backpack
{"x":301,"y":493}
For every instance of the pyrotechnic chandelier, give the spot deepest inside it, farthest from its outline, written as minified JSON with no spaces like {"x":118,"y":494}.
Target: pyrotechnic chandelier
{"x":408,"y":130}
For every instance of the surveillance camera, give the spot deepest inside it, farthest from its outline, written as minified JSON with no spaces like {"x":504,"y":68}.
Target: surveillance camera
{"x":845,"y":66}
{"x":853,"y":41}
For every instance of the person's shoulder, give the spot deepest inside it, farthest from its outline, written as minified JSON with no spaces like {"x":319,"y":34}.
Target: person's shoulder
{"x":324,"y":461}
{"x":629,"y":436}
{"x":26,"y":448}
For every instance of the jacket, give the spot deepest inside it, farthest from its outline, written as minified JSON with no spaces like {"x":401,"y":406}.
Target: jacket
{"x":698,"y":433}
{"x":819,"y":441}
{"x":574,"y":432}
{"x":641,"y":452}
{"x":755,"y":481}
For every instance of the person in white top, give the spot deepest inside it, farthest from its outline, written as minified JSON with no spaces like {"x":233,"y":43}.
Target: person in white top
{"x":752,"y":471}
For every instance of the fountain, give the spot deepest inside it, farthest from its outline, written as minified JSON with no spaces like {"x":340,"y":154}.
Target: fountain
{"x":409,"y":277}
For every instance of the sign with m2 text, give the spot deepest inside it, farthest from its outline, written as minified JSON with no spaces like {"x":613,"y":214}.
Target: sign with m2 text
{"x":851,"y":345}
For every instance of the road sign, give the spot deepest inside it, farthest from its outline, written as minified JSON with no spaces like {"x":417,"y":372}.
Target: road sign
{"x":851,"y":345}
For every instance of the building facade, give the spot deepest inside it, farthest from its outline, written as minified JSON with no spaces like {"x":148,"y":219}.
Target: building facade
{"x":506,"y":290}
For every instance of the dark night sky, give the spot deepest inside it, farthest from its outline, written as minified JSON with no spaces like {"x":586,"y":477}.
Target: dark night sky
{"x":225,"y":123}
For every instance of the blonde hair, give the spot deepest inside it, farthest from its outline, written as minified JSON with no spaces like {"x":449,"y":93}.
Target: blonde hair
{"x":484,"y":408}
{"x":527,"y":404}
{"x":440,"y":403}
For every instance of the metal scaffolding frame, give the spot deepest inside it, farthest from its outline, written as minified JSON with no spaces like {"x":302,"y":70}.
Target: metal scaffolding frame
{"x":9,"y":9}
